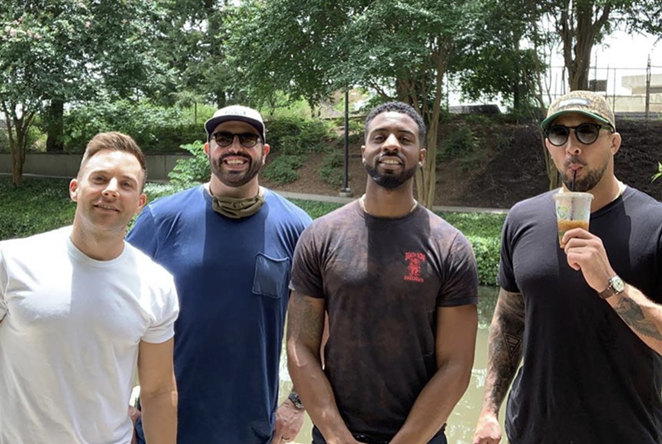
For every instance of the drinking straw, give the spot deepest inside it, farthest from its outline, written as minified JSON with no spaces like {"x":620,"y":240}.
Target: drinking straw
{"x":574,"y":176}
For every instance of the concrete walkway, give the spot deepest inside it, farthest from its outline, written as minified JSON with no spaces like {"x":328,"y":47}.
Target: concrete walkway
{"x":344,"y":200}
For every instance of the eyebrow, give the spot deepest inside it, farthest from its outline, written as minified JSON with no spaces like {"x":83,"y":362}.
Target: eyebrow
{"x":398,"y":130}
{"x":122,"y":177}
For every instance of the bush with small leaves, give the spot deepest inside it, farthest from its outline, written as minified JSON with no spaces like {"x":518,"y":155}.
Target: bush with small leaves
{"x":191,"y":170}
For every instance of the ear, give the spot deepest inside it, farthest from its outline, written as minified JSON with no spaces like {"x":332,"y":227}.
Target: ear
{"x":206,"y":148}
{"x":142,"y":201}
{"x":549,"y":146}
{"x":266,"y":149}
{"x":615,"y":143}
{"x":422,"y":155}
{"x":73,"y":190}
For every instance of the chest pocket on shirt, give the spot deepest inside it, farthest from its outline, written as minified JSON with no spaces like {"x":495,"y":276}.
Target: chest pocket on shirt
{"x":271,"y":276}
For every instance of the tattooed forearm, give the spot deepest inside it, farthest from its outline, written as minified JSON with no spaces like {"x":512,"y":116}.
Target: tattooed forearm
{"x":505,"y":345}
{"x":634,"y":316}
{"x":305,"y":319}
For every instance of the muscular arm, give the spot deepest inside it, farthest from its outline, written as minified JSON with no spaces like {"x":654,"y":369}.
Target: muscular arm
{"x":158,"y":392}
{"x":504,"y":355}
{"x":304,"y":337}
{"x":586,"y":253}
{"x":643,"y":316}
{"x":455,"y":345}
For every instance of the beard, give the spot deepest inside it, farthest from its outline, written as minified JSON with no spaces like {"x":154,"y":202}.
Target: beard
{"x":236,"y":178}
{"x":389,"y":180}
{"x":588,"y":182}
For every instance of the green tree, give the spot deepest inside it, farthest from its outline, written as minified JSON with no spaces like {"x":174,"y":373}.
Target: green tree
{"x":398,"y":50}
{"x":581,"y":24}
{"x":193,"y":49}
{"x":59,"y":51}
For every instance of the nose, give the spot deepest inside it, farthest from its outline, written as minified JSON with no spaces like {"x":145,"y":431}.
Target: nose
{"x":572,"y":146}
{"x":112,"y":189}
{"x":391,"y":143}
{"x":235,"y":146}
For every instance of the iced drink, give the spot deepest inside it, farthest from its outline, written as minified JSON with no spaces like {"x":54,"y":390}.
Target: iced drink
{"x":573,"y":210}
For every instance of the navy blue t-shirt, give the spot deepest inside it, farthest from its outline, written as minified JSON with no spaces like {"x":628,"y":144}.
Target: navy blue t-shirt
{"x":586,"y":378}
{"x":232,"y":279}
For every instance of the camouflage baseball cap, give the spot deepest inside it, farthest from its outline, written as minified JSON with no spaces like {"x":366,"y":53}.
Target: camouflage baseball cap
{"x":583,"y":102}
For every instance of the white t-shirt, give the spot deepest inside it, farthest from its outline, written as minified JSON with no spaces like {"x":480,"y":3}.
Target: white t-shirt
{"x":69,"y":338}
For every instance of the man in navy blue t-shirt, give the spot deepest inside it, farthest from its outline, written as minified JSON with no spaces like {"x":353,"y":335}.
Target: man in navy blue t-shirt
{"x":229,"y":244}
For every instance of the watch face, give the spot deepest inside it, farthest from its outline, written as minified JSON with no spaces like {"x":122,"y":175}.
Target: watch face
{"x":618,"y":284}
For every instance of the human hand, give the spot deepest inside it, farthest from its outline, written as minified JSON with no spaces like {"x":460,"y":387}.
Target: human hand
{"x":289,"y":420}
{"x":134,"y":414}
{"x":488,"y":430}
{"x":586,"y":252}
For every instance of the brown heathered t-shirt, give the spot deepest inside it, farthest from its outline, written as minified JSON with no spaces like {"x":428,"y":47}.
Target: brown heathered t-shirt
{"x":382,"y":280}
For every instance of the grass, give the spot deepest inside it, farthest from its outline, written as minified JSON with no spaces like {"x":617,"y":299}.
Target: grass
{"x":44,"y":204}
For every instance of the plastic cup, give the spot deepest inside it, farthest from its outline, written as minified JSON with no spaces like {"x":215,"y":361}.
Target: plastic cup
{"x":573,"y":210}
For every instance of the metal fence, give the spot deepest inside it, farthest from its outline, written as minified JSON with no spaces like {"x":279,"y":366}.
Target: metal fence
{"x":633,"y":91}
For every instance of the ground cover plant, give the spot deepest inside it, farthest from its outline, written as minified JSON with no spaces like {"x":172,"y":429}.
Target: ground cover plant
{"x":44,"y":204}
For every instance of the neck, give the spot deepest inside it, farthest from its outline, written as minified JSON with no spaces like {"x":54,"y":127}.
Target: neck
{"x":95,"y":245}
{"x":392,"y":203}
{"x":219,"y":189}
{"x":605,"y":192}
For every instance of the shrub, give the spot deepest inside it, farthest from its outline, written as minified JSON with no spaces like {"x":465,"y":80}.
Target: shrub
{"x":487,"y":251}
{"x":39,"y":205}
{"x":331,"y":169}
{"x":282,"y":169}
{"x":44,"y":204}
{"x":193,"y":169}
{"x":460,"y":142}
{"x":294,"y":135}
{"x":154,"y":128}
{"x":35,"y":139}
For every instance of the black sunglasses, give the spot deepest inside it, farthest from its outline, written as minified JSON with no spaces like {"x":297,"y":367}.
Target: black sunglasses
{"x":225,"y":138}
{"x":586,"y":133}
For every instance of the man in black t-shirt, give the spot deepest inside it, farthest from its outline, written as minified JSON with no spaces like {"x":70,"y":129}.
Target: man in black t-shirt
{"x":585,"y":318}
{"x":399,"y":286}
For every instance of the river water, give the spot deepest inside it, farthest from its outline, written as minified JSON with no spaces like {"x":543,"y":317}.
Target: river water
{"x":463,"y":419}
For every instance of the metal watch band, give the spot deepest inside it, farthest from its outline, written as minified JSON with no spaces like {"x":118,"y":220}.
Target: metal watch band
{"x":295,"y":400}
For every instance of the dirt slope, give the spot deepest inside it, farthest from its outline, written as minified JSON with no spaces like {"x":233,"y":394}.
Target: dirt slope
{"x":508,"y":165}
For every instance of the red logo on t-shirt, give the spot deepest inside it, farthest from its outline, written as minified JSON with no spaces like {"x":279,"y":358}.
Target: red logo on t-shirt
{"x":414,"y":266}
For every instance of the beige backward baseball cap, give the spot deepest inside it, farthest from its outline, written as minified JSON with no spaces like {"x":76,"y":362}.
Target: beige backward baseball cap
{"x":589,"y":103}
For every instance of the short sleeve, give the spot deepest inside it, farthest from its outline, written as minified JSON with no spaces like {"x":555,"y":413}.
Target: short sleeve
{"x":165,"y":310}
{"x":143,"y":234}
{"x":506,"y":276}
{"x":306,"y":270}
{"x":4,"y":282}
{"x":461,"y":285}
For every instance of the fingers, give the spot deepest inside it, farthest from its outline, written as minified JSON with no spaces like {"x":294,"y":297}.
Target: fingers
{"x":488,"y":431}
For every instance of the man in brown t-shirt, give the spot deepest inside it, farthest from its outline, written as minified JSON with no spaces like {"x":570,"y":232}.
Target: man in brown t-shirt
{"x":399,"y":286}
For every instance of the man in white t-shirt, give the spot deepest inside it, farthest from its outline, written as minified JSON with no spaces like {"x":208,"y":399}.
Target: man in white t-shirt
{"x":79,"y":309}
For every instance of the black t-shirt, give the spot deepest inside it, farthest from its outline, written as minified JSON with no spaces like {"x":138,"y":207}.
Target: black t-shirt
{"x":382,"y":281}
{"x":586,"y":377}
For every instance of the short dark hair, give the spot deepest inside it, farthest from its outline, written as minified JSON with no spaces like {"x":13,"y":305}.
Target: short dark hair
{"x":397,"y":107}
{"x":114,"y":141}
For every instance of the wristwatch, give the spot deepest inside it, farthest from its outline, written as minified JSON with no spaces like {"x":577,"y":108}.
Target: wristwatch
{"x":295,"y":400}
{"x":616,"y":286}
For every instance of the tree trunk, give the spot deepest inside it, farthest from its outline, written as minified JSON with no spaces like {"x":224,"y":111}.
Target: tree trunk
{"x":426,"y":177}
{"x":18,"y":159}
{"x":55,"y":119}
{"x":17,"y":129}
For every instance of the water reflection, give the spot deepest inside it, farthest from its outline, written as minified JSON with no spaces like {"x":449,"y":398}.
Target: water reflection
{"x":463,"y":419}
